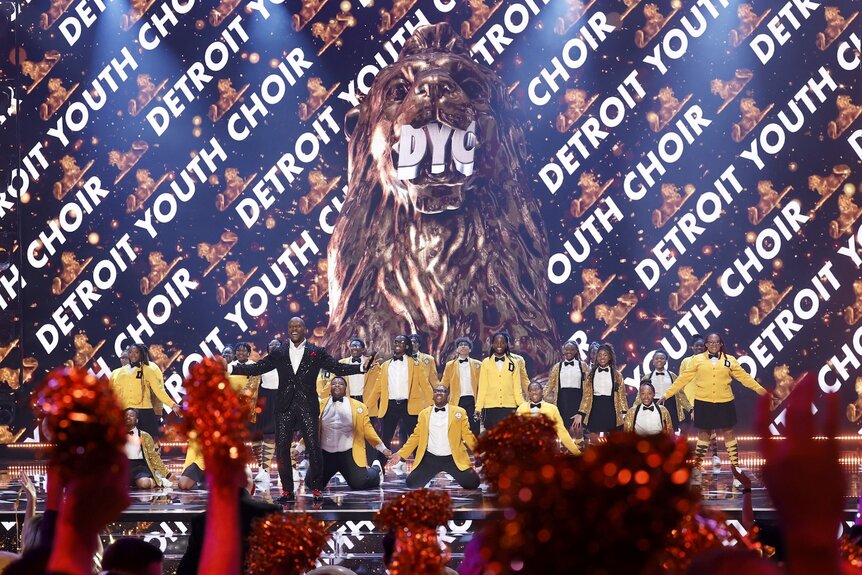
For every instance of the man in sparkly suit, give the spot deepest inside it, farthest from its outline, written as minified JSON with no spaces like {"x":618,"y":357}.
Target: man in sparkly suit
{"x":298,"y":407}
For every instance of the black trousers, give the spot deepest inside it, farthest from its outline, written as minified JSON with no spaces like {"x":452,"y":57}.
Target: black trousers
{"x":468,"y":403}
{"x":356,"y":477}
{"x":397,"y":414}
{"x":305,"y":418}
{"x":491,"y":416}
{"x":670,"y":404}
{"x":431,"y":465}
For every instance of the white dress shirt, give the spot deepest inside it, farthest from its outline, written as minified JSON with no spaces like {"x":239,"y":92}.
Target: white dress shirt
{"x":661,"y":382}
{"x":356,"y":383}
{"x":296,"y":353}
{"x":269,"y":380}
{"x":133,"y":445}
{"x":398,"y":384}
{"x":603,"y":384}
{"x":336,"y":430}
{"x":465,"y":377}
{"x":500,"y":363}
{"x":570,"y":376}
{"x":648,"y":421}
{"x":438,"y":433}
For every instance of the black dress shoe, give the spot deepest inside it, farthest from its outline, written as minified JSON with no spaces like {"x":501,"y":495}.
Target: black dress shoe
{"x":286,"y":498}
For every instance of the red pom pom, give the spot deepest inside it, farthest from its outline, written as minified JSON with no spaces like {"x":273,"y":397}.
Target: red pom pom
{"x":286,"y":544}
{"x":216,"y":416}
{"x":84,"y":419}
{"x":420,"y":509}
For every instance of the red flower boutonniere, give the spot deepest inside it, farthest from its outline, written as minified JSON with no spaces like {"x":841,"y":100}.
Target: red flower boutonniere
{"x":313,"y":354}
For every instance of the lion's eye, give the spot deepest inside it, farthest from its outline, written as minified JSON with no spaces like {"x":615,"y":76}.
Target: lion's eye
{"x":475,"y":90}
{"x":397,"y":92}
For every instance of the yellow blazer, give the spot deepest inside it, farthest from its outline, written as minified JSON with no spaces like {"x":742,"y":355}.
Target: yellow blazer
{"x":427,"y":359}
{"x":452,"y":378}
{"x":552,"y":389}
{"x":712,"y":382}
{"x":324,"y":378}
{"x":631,"y":415}
{"x":418,"y":387}
{"x":501,"y":388}
{"x":459,"y":437}
{"x":362,"y":429}
{"x":153,"y":460}
{"x":247,"y":387}
{"x":682,"y":403}
{"x":550,"y":411}
{"x":621,"y":404}
{"x":139,"y":392}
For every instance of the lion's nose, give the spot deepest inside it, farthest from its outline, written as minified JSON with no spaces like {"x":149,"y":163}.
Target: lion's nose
{"x":435,"y":86}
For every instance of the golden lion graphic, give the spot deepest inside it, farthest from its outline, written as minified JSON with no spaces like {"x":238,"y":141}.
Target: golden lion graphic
{"x":445,"y":254}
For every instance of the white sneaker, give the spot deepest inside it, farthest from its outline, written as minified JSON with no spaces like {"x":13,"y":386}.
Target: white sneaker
{"x":716,"y":463}
{"x":376,"y":465}
{"x":400,"y":468}
{"x":262,"y":479}
{"x":737,"y":483}
{"x":696,"y":477}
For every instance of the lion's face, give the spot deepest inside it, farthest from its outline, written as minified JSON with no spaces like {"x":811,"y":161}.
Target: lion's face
{"x":428,"y":88}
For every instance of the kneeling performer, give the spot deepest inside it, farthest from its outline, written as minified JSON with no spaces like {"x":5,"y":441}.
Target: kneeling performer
{"x":440,"y":438}
{"x":344,"y":429}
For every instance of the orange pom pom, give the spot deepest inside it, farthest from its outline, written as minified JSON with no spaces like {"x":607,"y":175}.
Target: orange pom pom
{"x":418,"y":509}
{"x":83,"y":418}
{"x":285,"y":544}
{"x":418,"y":553}
{"x":216,"y":416}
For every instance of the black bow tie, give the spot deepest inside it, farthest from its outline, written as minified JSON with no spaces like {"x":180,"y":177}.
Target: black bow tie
{"x":572,"y":363}
{"x":650,"y":408}
{"x":604,"y":369}
{"x":715,"y":355}
{"x":398,"y":358}
{"x":499,"y":358}
{"x":536,"y":405}
{"x":135,"y":364}
{"x":659,"y":373}
{"x":340,"y":399}
{"x":463,"y":360}
{"x":436,"y":409}
{"x":356,"y":360}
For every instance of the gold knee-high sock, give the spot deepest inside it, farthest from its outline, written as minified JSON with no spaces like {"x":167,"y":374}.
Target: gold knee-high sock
{"x":265,"y":451}
{"x":699,"y":451}
{"x":732,"y":451}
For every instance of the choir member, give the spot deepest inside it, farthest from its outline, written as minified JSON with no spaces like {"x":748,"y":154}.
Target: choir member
{"x":440,"y":439}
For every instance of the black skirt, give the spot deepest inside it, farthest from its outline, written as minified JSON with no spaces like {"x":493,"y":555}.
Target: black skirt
{"x":603,"y":416}
{"x":138,"y":469}
{"x":708,"y":415}
{"x":569,"y":402}
{"x":150,"y":422}
{"x":265,"y":422}
{"x":194,"y":472}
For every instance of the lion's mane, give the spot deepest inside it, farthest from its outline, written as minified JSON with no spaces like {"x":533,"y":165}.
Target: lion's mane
{"x":468,"y":271}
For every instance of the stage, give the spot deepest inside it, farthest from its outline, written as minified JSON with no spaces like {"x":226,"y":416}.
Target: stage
{"x":163,"y":516}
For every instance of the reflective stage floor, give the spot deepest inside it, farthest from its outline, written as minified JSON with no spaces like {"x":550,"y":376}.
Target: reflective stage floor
{"x":163,"y":516}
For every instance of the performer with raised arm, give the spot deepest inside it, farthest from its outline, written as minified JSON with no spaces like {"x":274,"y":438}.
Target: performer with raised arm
{"x":440,"y":440}
{"x":140,"y":385}
{"x":535,"y":406}
{"x":461,"y":376}
{"x":344,"y":431}
{"x":646,"y":417}
{"x":500,"y":377}
{"x":712,"y":373}
{"x":298,"y":407}
{"x":604,"y":403}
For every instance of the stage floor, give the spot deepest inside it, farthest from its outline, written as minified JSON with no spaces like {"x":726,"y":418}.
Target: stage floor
{"x":162,"y":516}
